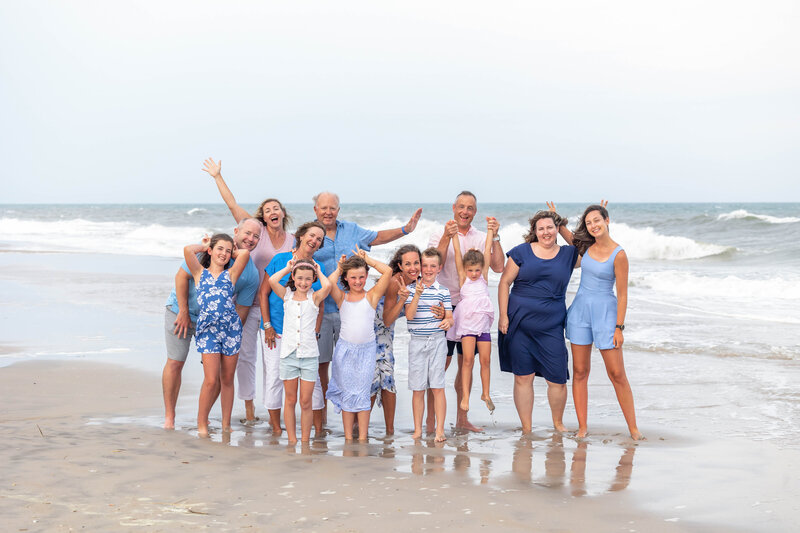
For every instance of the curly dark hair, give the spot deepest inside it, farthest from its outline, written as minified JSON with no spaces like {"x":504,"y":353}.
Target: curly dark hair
{"x":351,"y":263}
{"x":303,"y":229}
{"x":205,"y":257}
{"x":531,"y":235}
{"x":397,"y":258}
{"x":581,"y":239}
{"x":259,"y":214}
{"x":301,"y":264}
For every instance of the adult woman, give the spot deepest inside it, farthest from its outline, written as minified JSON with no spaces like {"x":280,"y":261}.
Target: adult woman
{"x":405,"y":266}
{"x":273,"y":239}
{"x":532,"y":315}
{"x":597,"y":316}
{"x":309,"y":238}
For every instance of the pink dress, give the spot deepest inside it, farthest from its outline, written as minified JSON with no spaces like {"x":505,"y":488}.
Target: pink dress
{"x":474,"y":313}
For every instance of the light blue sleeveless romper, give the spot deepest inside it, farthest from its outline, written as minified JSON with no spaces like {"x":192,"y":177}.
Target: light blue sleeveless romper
{"x":592,"y":316}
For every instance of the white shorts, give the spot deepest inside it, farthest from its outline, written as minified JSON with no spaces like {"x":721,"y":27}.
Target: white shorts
{"x":427,"y":358}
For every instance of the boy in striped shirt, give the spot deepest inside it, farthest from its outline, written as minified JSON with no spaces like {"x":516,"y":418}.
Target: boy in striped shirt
{"x":427,"y":349}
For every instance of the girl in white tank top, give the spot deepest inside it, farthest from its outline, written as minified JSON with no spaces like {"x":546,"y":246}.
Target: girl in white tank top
{"x":353,"y":364}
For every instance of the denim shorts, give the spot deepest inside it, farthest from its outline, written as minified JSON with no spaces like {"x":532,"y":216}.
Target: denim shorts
{"x":293,"y":367}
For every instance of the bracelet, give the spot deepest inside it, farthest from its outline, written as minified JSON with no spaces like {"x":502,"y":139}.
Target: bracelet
{"x":496,"y":238}
{"x":267,"y":325}
{"x":403,"y":229}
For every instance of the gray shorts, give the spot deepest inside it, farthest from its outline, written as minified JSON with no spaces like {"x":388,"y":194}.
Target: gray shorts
{"x":328,"y":335}
{"x":177,"y":348}
{"x":427,"y":358}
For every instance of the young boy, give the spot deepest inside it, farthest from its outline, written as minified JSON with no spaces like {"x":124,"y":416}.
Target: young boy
{"x":427,"y":349}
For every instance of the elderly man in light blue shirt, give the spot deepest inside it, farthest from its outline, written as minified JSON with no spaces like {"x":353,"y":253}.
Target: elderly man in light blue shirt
{"x":342,"y":238}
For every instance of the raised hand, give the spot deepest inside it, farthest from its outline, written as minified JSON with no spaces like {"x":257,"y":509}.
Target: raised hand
{"x":492,"y":225}
{"x":360,"y":253}
{"x":213,"y":169}
{"x":205,"y":241}
{"x":551,"y":206}
{"x":402,"y":290}
{"x":450,"y":228}
{"x":412,"y":222}
{"x":603,"y":202}
{"x":420,"y":287}
{"x":341,"y":261}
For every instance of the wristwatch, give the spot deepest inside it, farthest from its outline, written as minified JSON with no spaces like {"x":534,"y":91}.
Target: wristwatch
{"x":496,"y":238}
{"x":621,"y":327}
{"x":267,"y":325}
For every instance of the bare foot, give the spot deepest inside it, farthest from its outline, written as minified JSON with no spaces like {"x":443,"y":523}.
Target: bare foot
{"x":464,"y":405}
{"x":277,"y":431}
{"x":226,"y":429}
{"x":250,"y":421}
{"x":169,"y":423}
{"x":203,"y":432}
{"x":560,"y":427}
{"x":468,"y":426}
{"x":636,"y":435}
{"x":293,"y":441}
{"x":439,"y":437}
{"x":417,"y":434}
{"x":390,"y":431}
{"x":582,"y":432}
{"x":489,"y":403}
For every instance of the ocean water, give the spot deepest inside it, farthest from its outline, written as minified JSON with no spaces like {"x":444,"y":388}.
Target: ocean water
{"x":713,"y":279}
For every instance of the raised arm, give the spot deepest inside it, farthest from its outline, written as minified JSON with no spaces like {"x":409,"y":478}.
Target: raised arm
{"x":450,"y":230}
{"x":190,"y":256}
{"x":215,"y":171}
{"x":487,"y":251}
{"x":275,"y":280}
{"x":389,"y":235}
{"x":242,"y":257}
{"x":396,"y":296}
{"x":458,"y":256}
{"x":411,"y":307}
{"x":336,"y":292}
{"x":621,"y":272}
{"x":562,"y":224}
{"x":497,"y":257}
{"x":375,"y":293}
{"x":503,"y":288}
{"x":325,"y":287}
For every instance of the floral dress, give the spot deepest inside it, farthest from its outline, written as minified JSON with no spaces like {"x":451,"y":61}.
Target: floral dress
{"x":384,"y":367}
{"x":219,"y":328}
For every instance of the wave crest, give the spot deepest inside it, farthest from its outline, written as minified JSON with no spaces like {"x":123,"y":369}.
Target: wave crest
{"x":742,"y":214}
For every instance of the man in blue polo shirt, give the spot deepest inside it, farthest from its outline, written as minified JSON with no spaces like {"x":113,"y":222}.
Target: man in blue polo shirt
{"x":341,"y":238}
{"x":182,"y":310}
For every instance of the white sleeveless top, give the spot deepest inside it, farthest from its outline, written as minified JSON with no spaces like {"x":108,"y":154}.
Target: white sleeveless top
{"x":358,"y":320}
{"x":299,"y":326}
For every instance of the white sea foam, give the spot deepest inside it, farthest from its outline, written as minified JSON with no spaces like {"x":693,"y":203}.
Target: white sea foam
{"x":196,"y":210}
{"x":645,"y":243}
{"x":744,"y":214}
{"x":79,"y":235}
{"x":686,"y":284}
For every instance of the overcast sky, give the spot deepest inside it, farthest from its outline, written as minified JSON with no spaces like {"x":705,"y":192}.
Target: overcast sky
{"x":400,"y":101}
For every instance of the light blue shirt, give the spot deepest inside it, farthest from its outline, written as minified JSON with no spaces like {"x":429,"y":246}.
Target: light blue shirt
{"x":244,"y":292}
{"x":348,"y":236}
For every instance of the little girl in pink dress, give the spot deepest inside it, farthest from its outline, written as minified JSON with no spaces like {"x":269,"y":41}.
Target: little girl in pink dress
{"x":473,"y":317}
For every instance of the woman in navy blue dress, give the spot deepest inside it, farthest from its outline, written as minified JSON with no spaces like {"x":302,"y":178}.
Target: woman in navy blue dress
{"x":531,"y":297}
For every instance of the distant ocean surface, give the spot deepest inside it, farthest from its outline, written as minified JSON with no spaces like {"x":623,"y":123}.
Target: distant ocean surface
{"x":715,"y":279}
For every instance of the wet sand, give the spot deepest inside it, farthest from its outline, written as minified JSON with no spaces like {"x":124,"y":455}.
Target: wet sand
{"x":85,"y":448}
{"x":72,"y":461}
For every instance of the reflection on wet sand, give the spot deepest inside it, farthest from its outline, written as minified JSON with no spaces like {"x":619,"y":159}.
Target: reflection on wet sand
{"x":500,"y":456}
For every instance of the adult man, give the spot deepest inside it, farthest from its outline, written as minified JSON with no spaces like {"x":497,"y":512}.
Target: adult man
{"x":464,"y":210}
{"x":342,"y":238}
{"x":182,"y":310}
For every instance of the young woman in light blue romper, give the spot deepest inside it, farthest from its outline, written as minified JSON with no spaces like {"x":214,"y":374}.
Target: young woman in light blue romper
{"x":597,"y":316}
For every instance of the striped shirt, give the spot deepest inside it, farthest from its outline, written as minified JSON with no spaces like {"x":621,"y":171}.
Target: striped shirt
{"x":424,"y":323}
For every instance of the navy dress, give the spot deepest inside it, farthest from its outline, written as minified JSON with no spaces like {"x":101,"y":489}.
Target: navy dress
{"x":537,"y":313}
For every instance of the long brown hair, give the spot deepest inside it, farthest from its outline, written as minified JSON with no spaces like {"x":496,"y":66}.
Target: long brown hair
{"x":397,"y":258}
{"x":581,"y":238}
{"x":351,"y":263}
{"x":205,"y":257}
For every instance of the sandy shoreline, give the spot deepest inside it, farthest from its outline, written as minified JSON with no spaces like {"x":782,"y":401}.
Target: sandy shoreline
{"x":63,"y":469}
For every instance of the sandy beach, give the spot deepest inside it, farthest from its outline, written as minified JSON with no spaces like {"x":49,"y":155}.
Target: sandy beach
{"x":82,"y":351}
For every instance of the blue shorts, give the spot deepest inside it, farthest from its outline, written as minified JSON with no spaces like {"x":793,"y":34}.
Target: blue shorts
{"x":293,"y":367}
{"x":223,"y":336}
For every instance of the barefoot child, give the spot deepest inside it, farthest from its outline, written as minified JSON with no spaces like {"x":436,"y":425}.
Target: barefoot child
{"x":219,"y":328}
{"x":299,"y":353}
{"x":353,"y":364}
{"x":473,"y":317}
{"x":427,"y":348}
